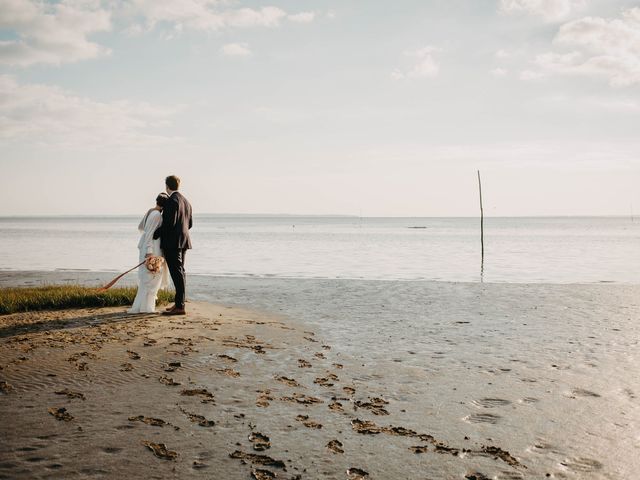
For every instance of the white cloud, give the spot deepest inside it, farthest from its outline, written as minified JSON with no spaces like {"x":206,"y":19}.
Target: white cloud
{"x":51,"y":33}
{"x":249,"y":17}
{"x":499,"y":72}
{"x":550,"y":10}
{"x":236,"y":50}
{"x":530,"y":75}
{"x":53,"y":116}
{"x":424,"y":64}
{"x":58,"y":32}
{"x":558,"y":61}
{"x":209,"y":14}
{"x":302,"y":17}
{"x":606,"y":48}
{"x":509,"y":54}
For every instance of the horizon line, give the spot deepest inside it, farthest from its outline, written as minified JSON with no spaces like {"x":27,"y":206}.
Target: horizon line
{"x":319,"y":215}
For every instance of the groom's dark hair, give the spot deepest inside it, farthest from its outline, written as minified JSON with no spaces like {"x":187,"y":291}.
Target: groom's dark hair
{"x":172,"y":182}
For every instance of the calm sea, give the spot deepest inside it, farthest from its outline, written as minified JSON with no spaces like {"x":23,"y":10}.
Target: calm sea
{"x":553,"y":250}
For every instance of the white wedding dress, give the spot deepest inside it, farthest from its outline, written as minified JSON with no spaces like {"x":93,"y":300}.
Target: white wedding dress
{"x":149,"y":283}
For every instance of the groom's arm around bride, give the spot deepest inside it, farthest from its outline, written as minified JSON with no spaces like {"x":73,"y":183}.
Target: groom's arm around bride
{"x":175,"y":239}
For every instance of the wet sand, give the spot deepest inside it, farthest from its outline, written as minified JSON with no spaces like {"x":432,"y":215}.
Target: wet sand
{"x":420,"y":380}
{"x":222,"y":393}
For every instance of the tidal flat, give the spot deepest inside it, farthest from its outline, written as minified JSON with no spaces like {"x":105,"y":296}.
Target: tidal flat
{"x":340,"y":378}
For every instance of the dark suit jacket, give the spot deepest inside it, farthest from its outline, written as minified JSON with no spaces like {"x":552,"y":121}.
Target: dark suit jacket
{"x":176,"y":222}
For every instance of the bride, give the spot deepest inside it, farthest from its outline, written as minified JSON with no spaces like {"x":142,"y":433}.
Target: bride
{"x":149,"y":282}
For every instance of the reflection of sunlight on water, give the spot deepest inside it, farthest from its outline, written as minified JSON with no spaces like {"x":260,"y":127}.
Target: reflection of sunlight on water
{"x":560,"y":250}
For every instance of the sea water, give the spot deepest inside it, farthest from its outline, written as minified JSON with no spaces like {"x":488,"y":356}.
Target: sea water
{"x":517,"y":250}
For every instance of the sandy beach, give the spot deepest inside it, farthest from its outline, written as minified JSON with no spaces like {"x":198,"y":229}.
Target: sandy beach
{"x":323,"y":379}
{"x":224,"y":391}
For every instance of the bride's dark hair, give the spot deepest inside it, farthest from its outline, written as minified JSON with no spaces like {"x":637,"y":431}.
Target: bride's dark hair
{"x":161,"y":199}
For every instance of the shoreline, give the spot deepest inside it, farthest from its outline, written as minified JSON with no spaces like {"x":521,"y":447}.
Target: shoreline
{"x":131,"y":278}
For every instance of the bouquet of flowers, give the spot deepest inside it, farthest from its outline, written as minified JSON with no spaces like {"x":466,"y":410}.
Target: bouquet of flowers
{"x":154,"y":264}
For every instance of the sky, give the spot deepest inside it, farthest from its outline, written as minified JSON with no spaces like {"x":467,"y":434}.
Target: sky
{"x":361,"y":107}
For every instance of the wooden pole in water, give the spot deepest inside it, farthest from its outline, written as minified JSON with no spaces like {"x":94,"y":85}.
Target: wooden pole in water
{"x":481,"y":217}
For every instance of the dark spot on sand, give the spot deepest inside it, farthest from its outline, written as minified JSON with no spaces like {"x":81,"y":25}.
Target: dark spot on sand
{"x":260,"y":441}
{"x":288,"y":381}
{"x":228,"y":358}
{"x":160,"y":450}
{"x":124,"y":427}
{"x":442,"y":448}
{"x":27,"y":449}
{"x":5,"y":387}
{"x":326,"y":381}
{"x":156,"y":422}
{"x":262,"y":474}
{"x":112,"y":449}
{"x":34,"y":459}
{"x":374,"y":405}
{"x":581,"y":392}
{"x":61,"y":414}
{"x":365,"y":427}
{"x":70,"y":394}
{"x":301,"y":399}
{"x":206,"y":395}
{"x":168,"y":381}
{"x":503,"y":455}
{"x":476,"y":476}
{"x":264,"y":398}
{"x":419,"y":449}
{"x":357,"y":473}
{"x":172,"y":366}
{"x":258,"y":459}
{"x":335,"y":446}
{"x":400,"y":431}
{"x":248,"y":342}
{"x":304,"y":419}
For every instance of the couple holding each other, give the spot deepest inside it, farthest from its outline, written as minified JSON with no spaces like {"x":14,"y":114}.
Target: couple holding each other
{"x":164,"y":233}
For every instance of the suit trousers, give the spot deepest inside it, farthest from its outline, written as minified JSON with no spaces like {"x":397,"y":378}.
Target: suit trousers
{"x":175,"y":262}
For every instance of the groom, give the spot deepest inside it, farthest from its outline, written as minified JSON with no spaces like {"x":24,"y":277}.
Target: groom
{"x":174,"y":239}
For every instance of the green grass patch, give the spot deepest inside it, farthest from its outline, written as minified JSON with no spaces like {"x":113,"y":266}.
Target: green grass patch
{"x":57,"y":297}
